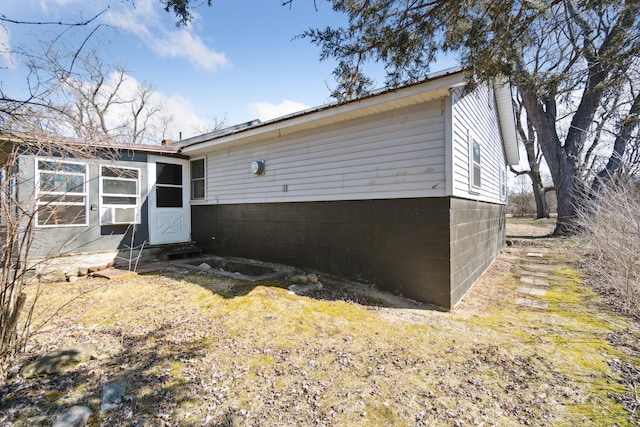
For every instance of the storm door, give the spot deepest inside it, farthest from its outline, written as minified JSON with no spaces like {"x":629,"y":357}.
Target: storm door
{"x":169,"y":211}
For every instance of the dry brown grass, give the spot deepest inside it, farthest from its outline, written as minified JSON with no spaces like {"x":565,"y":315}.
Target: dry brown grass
{"x":198,"y":350}
{"x":528,"y":227}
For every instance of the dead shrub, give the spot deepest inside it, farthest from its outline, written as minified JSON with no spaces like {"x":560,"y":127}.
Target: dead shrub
{"x":610,"y":229}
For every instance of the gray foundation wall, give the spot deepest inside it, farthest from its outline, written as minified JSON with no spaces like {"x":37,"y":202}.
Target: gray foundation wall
{"x":477,"y":237}
{"x":399,"y":245}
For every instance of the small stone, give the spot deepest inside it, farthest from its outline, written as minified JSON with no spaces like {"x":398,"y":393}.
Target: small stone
{"x":76,"y":416}
{"x":72,"y":279}
{"x":523,"y":301}
{"x":541,"y":305}
{"x":306,"y":288}
{"x":60,"y":360}
{"x":302,"y":279}
{"x":539,"y":274}
{"x":536,"y":281}
{"x":112,"y":395}
{"x":313,"y":278}
{"x":204,"y":265}
{"x":537,"y":292}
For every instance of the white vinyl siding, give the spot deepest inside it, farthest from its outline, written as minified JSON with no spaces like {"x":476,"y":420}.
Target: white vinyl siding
{"x":475,"y":118}
{"x":398,"y":154}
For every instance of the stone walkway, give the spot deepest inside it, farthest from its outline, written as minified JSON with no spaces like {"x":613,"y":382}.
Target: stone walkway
{"x":533,"y":280}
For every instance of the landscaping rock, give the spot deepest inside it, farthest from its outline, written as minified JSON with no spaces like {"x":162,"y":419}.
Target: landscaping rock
{"x":76,"y":416}
{"x":111,"y":396}
{"x":52,"y":276}
{"x":60,"y":360}
{"x":204,"y":265}
{"x":305,"y":289}
{"x":313,"y":278}
{"x":302,"y":279}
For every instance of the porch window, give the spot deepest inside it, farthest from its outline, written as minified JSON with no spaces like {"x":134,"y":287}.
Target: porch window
{"x":61,"y":193}
{"x":197,"y":179}
{"x":119,"y":195}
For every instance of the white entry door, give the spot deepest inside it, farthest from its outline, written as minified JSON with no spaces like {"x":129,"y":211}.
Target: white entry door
{"x":169,"y":210}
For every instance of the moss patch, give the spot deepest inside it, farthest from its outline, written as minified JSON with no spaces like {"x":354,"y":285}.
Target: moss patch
{"x":199,"y":350}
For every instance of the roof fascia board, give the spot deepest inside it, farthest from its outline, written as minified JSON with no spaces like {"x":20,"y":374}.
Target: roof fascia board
{"x":439,"y":87}
{"x":507,"y":121}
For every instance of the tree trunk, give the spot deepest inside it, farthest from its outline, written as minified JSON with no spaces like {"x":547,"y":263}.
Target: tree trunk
{"x":570,"y":195}
{"x":542,"y":209}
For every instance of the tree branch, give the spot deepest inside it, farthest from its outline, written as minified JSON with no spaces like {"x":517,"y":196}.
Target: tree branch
{"x":3,"y":18}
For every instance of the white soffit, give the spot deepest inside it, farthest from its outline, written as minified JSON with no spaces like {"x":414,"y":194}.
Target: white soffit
{"x":391,"y":99}
{"x":507,"y":121}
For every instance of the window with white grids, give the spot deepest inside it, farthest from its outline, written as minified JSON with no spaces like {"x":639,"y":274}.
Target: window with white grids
{"x":119,"y":195}
{"x":61,"y":193}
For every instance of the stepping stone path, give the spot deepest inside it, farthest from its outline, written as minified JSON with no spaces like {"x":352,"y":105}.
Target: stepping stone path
{"x":112,"y":395}
{"x":528,"y":279}
{"x":526,"y":302}
{"x":76,"y":416}
{"x":533,"y":283}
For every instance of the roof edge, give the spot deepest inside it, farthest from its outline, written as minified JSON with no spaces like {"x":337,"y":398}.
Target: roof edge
{"x":22,"y":138}
{"x":448,"y":79}
{"x":506,"y":116}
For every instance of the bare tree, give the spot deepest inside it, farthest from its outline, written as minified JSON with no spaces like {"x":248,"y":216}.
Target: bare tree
{"x":215,"y":123}
{"x":105,"y":103}
{"x":611,"y":237}
{"x":23,"y":206}
{"x":535,"y":159}
{"x":30,"y":125}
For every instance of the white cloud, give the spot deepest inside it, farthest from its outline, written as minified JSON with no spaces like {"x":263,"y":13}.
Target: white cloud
{"x":178,"y":43}
{"x":184,"y":121}
{"x":5,"y":48}
{"x":145,"y":22}
{"x":266,"y":111}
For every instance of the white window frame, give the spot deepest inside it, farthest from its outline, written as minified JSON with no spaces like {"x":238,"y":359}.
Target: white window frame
{"x":60,"y":194}
{"x":203,"y":179}
{"x":473,"y":164}
{"x":108,"y":210}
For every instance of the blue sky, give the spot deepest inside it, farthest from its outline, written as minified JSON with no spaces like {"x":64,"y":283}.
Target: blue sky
{"x":236,"y":61}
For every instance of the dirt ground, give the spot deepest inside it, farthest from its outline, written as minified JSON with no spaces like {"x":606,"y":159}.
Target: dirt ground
{"x":197,"y":350}
{"x":526,"y":227}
